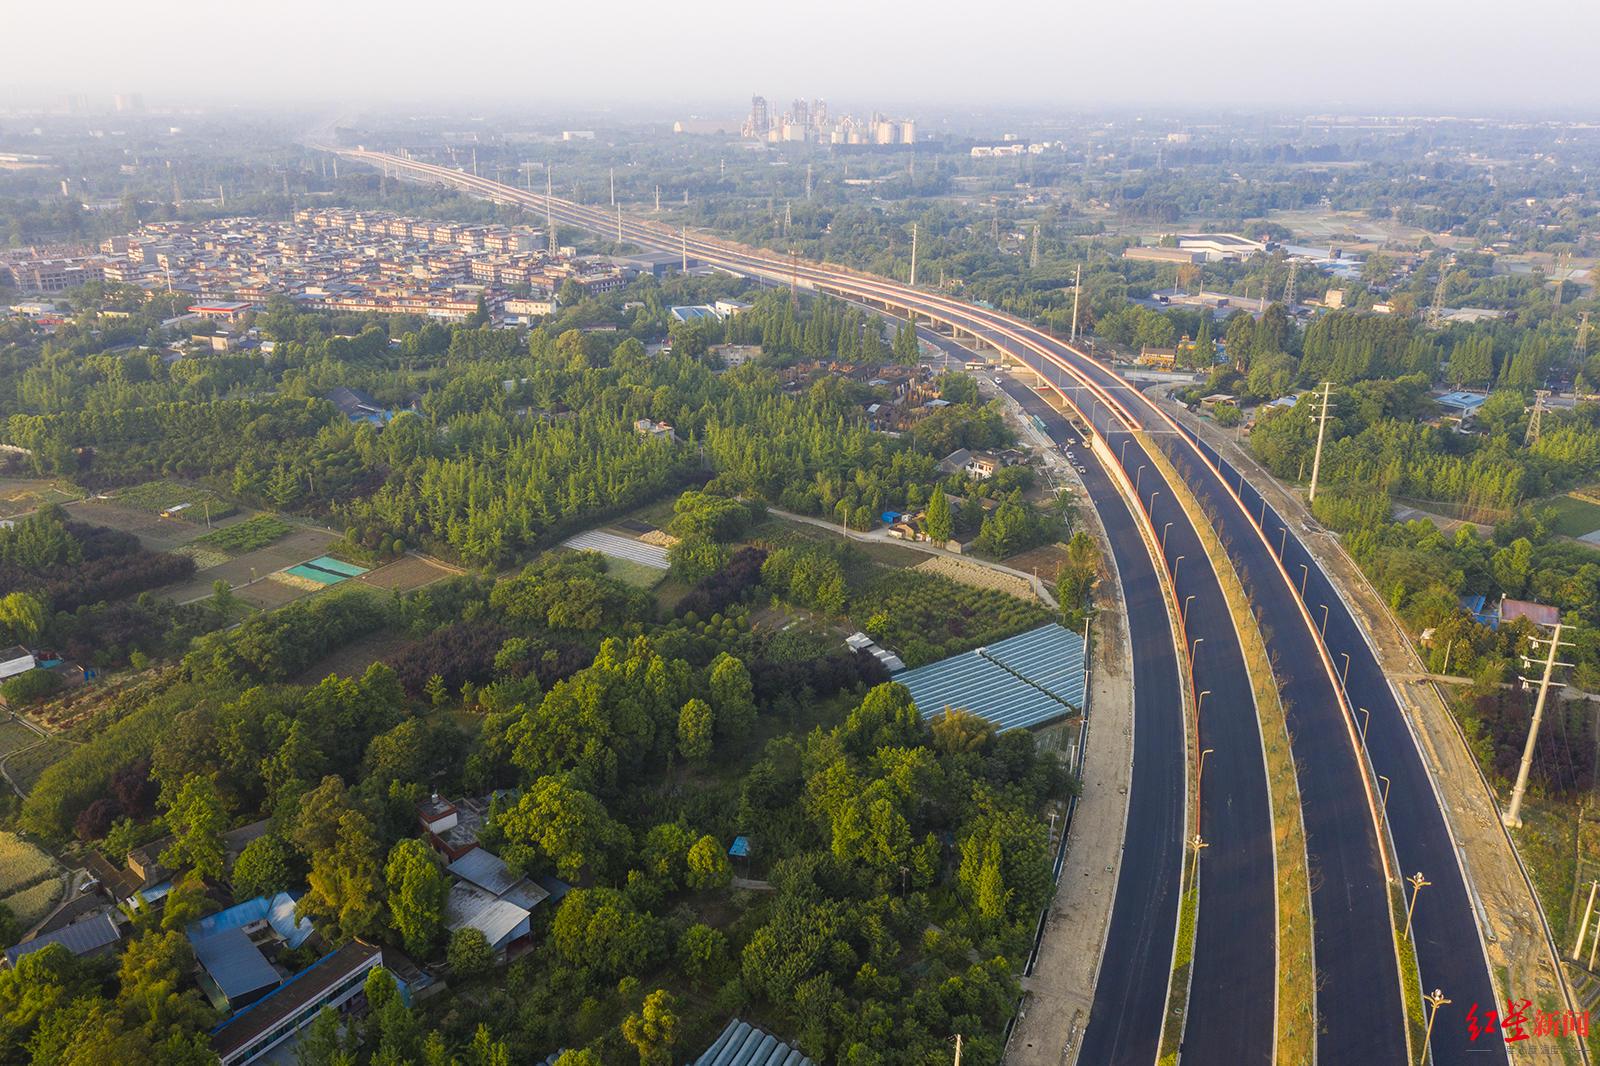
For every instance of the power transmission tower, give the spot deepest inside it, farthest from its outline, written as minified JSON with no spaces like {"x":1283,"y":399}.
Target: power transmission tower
{"x":1513,"y":815}
{"x":1033,"y":250}
{"x":1580,"y":346}
{"x":913,"y":253}
{"x":683,"y":238}
{"x":1563,"y":262}
{"x":1436,"y":309}
{"x":1322,"y":429}
{"x":808,"y":181}
{"x":1288,"y":288}
{"x":1077,"y":290}
{"x":788,"y":218}
{"x":658,"y":199}
{"x":1536,"y":419}
{"x":619,"y":225}
{"x":549,"y":224}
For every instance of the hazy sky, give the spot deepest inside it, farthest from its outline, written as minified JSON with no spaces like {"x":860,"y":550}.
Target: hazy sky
{"x":1461,"y":56}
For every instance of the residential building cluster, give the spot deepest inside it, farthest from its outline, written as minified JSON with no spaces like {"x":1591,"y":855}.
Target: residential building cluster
{"x":810,"y":122}
{"x":334,"y":260}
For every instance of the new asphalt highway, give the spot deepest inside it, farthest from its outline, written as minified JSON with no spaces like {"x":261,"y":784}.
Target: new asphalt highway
{"x":1358,"y":1001}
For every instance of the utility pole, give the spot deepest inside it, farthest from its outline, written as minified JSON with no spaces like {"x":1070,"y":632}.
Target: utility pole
{"x":683,"y":245}
{"x":1322,"y":429}
{"x":913,"y":254}
{"x":613,"y":186}
{"x":1513,"y":815}
{"x":619,"y":225}
{"x":222,"y":196}
{"x":1583,"y":930}
{"x":1077,"y":290}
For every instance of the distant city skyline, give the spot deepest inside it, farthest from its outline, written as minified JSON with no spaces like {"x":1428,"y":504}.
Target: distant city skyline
{"x":1406,"y":55}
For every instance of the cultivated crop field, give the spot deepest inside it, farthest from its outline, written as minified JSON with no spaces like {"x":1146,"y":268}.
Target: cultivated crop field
{"x":979,"y":577}
{"x":20,"y":495}
{"x":925,"y":616}
{"x":296,"y":546}
{"x":29,"y":879}
{"x":254,"y":532}
{"x":158,"y":496}
{"x":153,"y":531}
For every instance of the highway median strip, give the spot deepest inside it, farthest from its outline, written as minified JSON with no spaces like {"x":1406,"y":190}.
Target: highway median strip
{"x":1296,"y":1044}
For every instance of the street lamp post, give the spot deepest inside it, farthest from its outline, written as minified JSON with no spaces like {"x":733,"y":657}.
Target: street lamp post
{"x":1200,"y":700}
{"x":1186,"y":600}
{"x":1195,"y":647}
{"x":1435,"y":1001}
{"x":1201,"y":773}
{"x":1122,"y":456}
{"x":1196,"y":843}
{"x":1151,"y":509}
{"x":1417,"y":883}
{"x":1384,"y":802}
{"x":1175,"y":563}
{"x":1164,"y":530}
{"x":1305,"y":572}
{"x":1137,"y":474}
{"x":1346,"y":672}
{"x":1283,"y":541}
{"x":1323,"y":632}
{"x":1366,"y":717}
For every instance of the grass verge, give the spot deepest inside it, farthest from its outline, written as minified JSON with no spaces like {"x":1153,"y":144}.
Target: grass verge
{"x":1410,"y":980}
{"x":1178,"y":988}
{"x":1296,"y":965}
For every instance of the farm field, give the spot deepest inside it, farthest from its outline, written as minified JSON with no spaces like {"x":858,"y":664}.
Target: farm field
{"x":20,"y":495}
{"x":199,"y":505}
{"x":25,"y":767}
{"x":979,"y":577}
{"x":1574,"y":517}
{"x":153,"y":531}
{"x":405,"y":573}
{"x":299,"y":545}
{"x":30,"y":880}
{"x":1045,"y":560}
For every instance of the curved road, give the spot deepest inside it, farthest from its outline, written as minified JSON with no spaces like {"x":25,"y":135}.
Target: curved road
{"x":1357,"y":999}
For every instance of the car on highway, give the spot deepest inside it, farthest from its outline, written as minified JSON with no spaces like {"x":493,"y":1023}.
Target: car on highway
{"x":997,"y":381}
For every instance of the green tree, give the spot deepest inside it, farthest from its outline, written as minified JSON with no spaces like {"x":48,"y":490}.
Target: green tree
{"x":263,"y":868}
{"x":346,"y":881}
{"x":732,"y":696}
{"x":653,"y":1029}
{"x":708,"y":865}
{"x":564,"y":824}
{"x":417,"y":892}
{"x":469,"y":953}
{"x":695,"y":726}
{"x":197,"y":820}
{"x":938,"y":521}
{"x":21,"y":617}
